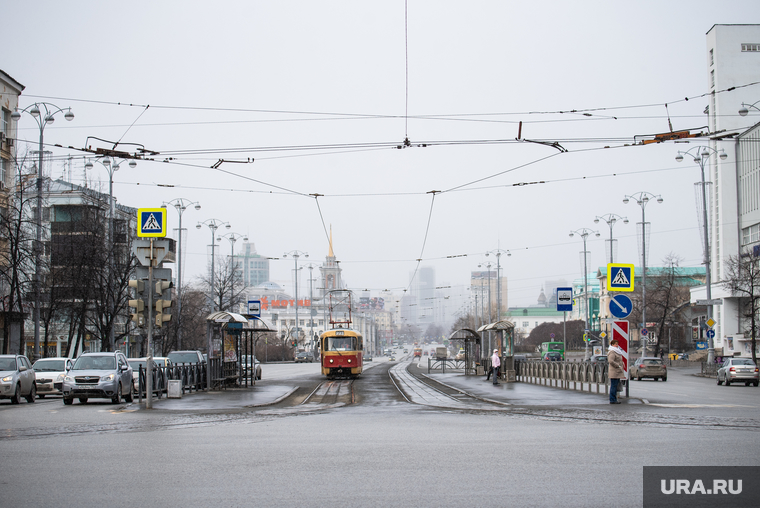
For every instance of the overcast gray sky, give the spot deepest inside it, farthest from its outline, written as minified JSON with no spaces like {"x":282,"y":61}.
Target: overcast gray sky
{"x":265,"y":77}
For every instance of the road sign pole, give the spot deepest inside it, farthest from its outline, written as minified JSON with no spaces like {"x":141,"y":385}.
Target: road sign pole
{"x":149,"y":363}
{"x":621,"y":333}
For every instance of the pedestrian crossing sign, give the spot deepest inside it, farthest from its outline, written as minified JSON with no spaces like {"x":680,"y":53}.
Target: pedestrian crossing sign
{"x":619,"y":277}
{"x":151,"y":222}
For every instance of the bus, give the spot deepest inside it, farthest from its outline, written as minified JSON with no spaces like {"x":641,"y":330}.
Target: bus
{"x":552,"y":347}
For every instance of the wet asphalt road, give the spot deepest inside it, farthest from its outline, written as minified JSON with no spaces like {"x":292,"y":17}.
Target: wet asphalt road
{"x":365,"y":443}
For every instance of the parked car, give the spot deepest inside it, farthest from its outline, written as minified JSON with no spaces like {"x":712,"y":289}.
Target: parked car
{"x":160,"y":366}
{"x":738,"y":369}
{"x":247,"y":366}
{"x":460,"y":355}
{"x":552,"y":356}
{"x":186,"y":357}
{"x":99,"y":375}
{"x":304,"y":356}
{"x":597,"y":359}
{"x":17,"y":379}
{"x":50,"y":373}
{"x":649,"y":367}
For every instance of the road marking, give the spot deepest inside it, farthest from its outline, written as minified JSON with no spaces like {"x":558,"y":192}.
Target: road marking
{"x":693,"y":405}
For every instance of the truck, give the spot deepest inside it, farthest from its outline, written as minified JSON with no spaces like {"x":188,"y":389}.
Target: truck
{"x":441,"y":353}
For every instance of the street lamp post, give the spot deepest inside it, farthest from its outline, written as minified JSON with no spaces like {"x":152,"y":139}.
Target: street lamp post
{"x":180,"y":204}
{"x":584,"y":232}
{"x":295,"y":254}
{"x":111,"y":166}
{"x":44,"y":114}
{"x":744,"y":111}
{"x":498,"y":253}
{"x":701,"y":157}
{"x":232,"y":237}
{"x":213,"y":225}
{"x":611,"y":219}
{"x":642,"y":199}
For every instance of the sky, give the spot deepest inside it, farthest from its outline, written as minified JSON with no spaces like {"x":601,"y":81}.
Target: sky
{"x":307,"y":103}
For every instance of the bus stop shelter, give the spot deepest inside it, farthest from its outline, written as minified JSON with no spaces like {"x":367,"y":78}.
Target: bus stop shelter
{"x":231,"y":346}
{"x":505,"y":343}
{"x":472,"y":349}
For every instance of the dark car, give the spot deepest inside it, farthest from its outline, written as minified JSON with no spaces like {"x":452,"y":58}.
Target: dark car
{"x":552,"y":356}
{"x":186,"y":357}
{"x":597,"y":359}
{"x":304,"y":356}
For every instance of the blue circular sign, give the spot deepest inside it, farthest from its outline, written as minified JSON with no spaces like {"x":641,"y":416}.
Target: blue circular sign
{"x":620,"y":306}
{"x":644,"y":332}
{"x":710,"y":334}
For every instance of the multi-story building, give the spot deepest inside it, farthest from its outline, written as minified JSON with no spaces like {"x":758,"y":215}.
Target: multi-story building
{"x":253,"y":267}
{"x":11,"y":319}
{"x":733,"y":66}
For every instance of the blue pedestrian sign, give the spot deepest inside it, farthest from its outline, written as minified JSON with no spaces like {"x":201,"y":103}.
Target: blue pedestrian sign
{"x":564,"y":299}
{"x":151,"y":222}
{"x":620,"y":306}
{"x":619,"y":277}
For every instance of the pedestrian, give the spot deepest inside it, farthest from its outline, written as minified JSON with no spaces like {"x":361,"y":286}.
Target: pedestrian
{"x":616,"y":369}
{"x":495,"y":364}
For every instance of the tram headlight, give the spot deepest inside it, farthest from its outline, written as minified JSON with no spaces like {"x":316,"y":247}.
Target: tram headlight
{"x":331,"y":360}
{"x":349,"y":360}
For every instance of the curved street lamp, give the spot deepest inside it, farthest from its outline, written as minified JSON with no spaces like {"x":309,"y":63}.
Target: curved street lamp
{"x":180,"y":204}
{"x":744,"y":111}
{"x":701,"y":157}
{"x":213,"y":225}
{"x":584,"y":233}
{"x":642,"y":199}
{"x":295,"y":254}
{"x":44,"y":114}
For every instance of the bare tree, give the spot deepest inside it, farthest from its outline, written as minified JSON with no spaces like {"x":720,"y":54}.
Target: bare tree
{"x":229,"y":289}
{"x":668,"y":290}
{"x":742,"y":278}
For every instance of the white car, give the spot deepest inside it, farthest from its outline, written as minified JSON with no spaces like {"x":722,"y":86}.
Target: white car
{"x":50,"y":373}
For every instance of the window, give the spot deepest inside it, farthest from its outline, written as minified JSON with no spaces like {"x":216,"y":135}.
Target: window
{"x":750,"y":47}
{"x":712,"y":59}
{"x":751,"y":234}
{"x":526,"y":324}
{"x":3,"y":171}
{"x":6,"y":122}
{"x":712,"y":79}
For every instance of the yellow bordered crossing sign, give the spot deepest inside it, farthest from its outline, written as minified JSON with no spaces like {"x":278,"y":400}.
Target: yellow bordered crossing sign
{"x":151,"y":222}
{"x":619,"y":277}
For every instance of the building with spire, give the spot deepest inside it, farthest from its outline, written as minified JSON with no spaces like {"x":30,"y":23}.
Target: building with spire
{"x":331,"y":271}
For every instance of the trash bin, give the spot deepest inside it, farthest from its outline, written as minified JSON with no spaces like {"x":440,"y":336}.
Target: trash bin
{"x":174,"y":389}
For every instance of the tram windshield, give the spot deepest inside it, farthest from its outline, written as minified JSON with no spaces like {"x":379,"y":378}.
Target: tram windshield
{"x":341,"y":344}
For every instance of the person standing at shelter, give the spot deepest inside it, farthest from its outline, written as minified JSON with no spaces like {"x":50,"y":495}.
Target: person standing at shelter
{"x":616,"y":369}
{"x":495,"y":364}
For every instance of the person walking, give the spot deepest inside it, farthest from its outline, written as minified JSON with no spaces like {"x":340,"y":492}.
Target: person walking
{"x":616,"y":369}
{"x":495,"y":364}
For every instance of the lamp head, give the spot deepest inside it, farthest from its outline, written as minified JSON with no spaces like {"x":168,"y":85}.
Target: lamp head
{"x":49,"y":119}
{"x":69,"y":116}
{"x":197,"y":206}
{"x":625,"y":221}
{"x":723,"y":155}
{"x":35,"y":111}
{"x":15,"y":116}
{"x":659,"y":199}
{"x":679,"y":157}
{"x":705,"y":153}
{"x":571,"y":234}
{"x":132,"y":163}
{"x":106,"y":162}
{"x":198,"y":226}
{"x":228,"y":226}
{"x":744,"y":111}
{"x":88,"y":165}
{"x":625,"y":200}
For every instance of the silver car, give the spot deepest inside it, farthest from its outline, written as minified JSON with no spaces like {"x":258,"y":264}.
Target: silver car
{"x":99,"y":375}
{"x":738,"y":370}
{"x":17,"y":379}
{"x":50,"y":373}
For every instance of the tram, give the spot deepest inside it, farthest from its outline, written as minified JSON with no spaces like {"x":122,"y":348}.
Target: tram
{"x":341,"y":353}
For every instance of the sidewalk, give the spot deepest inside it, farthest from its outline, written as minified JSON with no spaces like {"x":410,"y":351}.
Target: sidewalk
{"x":231,"y":398}
{"x":519,"y":394}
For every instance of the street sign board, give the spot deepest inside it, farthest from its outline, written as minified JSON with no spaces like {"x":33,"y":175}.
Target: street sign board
{"x":710,"y":322}
{"x":714,"y":301}
{"x":710,"y":334}
{"x":564,"y":299}
{"x":620,"y":277}
{"x":151,"y":222}
{"x":620,"y":306}
{"x":701,"y":345}
{"x":620,"y":333}
{"x":254,"y":308}
{"x":644,"y":332}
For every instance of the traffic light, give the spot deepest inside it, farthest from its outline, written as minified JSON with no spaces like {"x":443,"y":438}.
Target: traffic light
{"x":138,"y":315}
{"x":163,"y":304}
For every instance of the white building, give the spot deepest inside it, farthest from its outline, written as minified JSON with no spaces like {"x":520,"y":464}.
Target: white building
{"x":733,"y":61}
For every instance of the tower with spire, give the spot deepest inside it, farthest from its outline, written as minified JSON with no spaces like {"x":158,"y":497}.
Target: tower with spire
{"x":330,"y":270}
